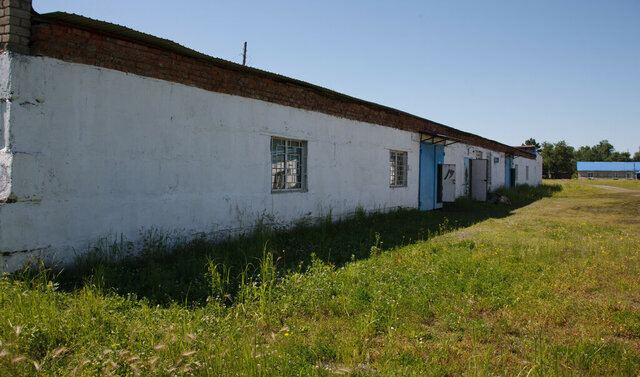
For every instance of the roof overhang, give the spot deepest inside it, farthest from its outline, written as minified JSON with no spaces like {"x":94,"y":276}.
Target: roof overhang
{"x":440,"y":139}
{"x":520,"y":154}
{"x":430,"y":131}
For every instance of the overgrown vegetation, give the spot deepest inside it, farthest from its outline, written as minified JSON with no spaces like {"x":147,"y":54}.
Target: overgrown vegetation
{"x":173,"y":270}
{"x":549,"y":288}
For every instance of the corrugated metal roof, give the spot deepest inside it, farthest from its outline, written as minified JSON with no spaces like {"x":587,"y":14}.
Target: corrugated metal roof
{"x":608,"y":166}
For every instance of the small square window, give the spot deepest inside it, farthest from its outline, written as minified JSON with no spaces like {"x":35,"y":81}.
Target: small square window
{"x":398,"y":169}
{"x":288,"y":164}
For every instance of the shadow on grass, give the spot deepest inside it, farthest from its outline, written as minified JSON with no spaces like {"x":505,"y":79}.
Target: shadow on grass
{"x":189,"y":272}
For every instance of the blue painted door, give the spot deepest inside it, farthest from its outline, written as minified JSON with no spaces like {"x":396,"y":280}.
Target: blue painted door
{"x":507,"y":171}
{"x":430,"y":156}
{"x":439,"y":157}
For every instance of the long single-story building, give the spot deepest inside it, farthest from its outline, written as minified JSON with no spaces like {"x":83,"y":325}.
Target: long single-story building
{"x":608,"y":170}
{"x":480,"y":170}
{"x":106,"y":131}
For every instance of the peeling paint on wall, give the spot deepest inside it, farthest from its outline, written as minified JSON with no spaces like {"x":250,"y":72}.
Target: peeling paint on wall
{"x":5,"y":154}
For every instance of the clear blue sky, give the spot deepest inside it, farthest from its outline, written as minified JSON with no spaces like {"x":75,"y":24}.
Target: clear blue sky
{"x":506,"y":70}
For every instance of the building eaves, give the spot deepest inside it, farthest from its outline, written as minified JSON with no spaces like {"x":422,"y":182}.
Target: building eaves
{"x":130,"y":35}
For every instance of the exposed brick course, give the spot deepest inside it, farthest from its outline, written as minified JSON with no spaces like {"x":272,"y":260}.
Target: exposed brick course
{"x":15,"y":25}
{"x":79,"y":44}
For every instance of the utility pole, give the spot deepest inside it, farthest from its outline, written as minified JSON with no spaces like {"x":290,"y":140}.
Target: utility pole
{"x":244,"y":54}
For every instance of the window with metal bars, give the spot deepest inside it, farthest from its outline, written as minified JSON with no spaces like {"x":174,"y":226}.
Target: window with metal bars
{"x":288,"y":165}
{"x":398,"y":169}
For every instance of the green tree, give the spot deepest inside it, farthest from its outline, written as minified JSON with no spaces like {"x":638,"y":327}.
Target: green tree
{"x":619,"y":156}
{"x":558,"y":158}
{"x":533,"y":142}
{"x":547,"y":157}
{"x":602,"y":151}
{"x":565,"y":158}
{"x":585,"y":153}
{"x":636,"y":156}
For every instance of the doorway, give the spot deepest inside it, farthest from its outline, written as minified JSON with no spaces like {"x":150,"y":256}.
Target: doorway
{"x":430,"y":156}
{"x":479,"y":179}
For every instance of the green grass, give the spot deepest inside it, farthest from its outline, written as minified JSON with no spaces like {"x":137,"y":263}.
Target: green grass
{"x":548,"y":286}
{"x":173,"y":270}
{"x":624,"y":183}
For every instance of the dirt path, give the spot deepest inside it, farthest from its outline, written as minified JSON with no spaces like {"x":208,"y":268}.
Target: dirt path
{"x":618,"y":189}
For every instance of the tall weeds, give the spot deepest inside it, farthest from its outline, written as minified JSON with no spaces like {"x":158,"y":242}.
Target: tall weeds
{"x":267,"y":280}
{"x":165,"y":268}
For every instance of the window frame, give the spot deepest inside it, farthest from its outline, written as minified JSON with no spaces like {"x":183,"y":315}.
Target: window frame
{"x":304,"y":146}
{"x":394,"y":168}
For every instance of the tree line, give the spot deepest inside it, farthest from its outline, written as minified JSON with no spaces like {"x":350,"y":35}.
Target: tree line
{"x":559,"y":159}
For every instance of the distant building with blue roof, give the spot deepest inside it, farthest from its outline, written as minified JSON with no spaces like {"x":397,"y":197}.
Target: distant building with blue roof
{"x":608,"y":170}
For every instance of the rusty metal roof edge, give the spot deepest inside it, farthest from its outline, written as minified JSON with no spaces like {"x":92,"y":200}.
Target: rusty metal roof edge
{"x":123,"y":32}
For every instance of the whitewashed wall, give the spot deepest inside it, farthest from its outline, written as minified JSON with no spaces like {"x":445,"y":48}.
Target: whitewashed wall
{"x":100,"y":153}
{"x":456,"y":153}
{"x":535,"y":170}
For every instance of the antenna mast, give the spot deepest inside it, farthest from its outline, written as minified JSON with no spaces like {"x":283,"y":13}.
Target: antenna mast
{"x":244,"y":54}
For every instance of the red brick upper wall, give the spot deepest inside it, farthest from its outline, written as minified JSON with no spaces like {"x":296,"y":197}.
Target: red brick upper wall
{"x":78,"y":44}
{"x":15,"y":25}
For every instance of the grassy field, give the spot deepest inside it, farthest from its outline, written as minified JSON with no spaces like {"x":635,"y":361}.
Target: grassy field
{"x":548,"y":286}
{"x":623,"y":183}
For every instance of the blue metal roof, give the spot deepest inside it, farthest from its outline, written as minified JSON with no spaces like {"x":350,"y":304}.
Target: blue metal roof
{"x":608,"y":166}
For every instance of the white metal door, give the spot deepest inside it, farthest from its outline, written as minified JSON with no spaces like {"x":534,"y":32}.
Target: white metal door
{"x":448,"y":182}
{"x":479,"y":180}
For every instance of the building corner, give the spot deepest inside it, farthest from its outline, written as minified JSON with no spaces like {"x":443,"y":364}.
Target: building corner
{"x":15,"y":26}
